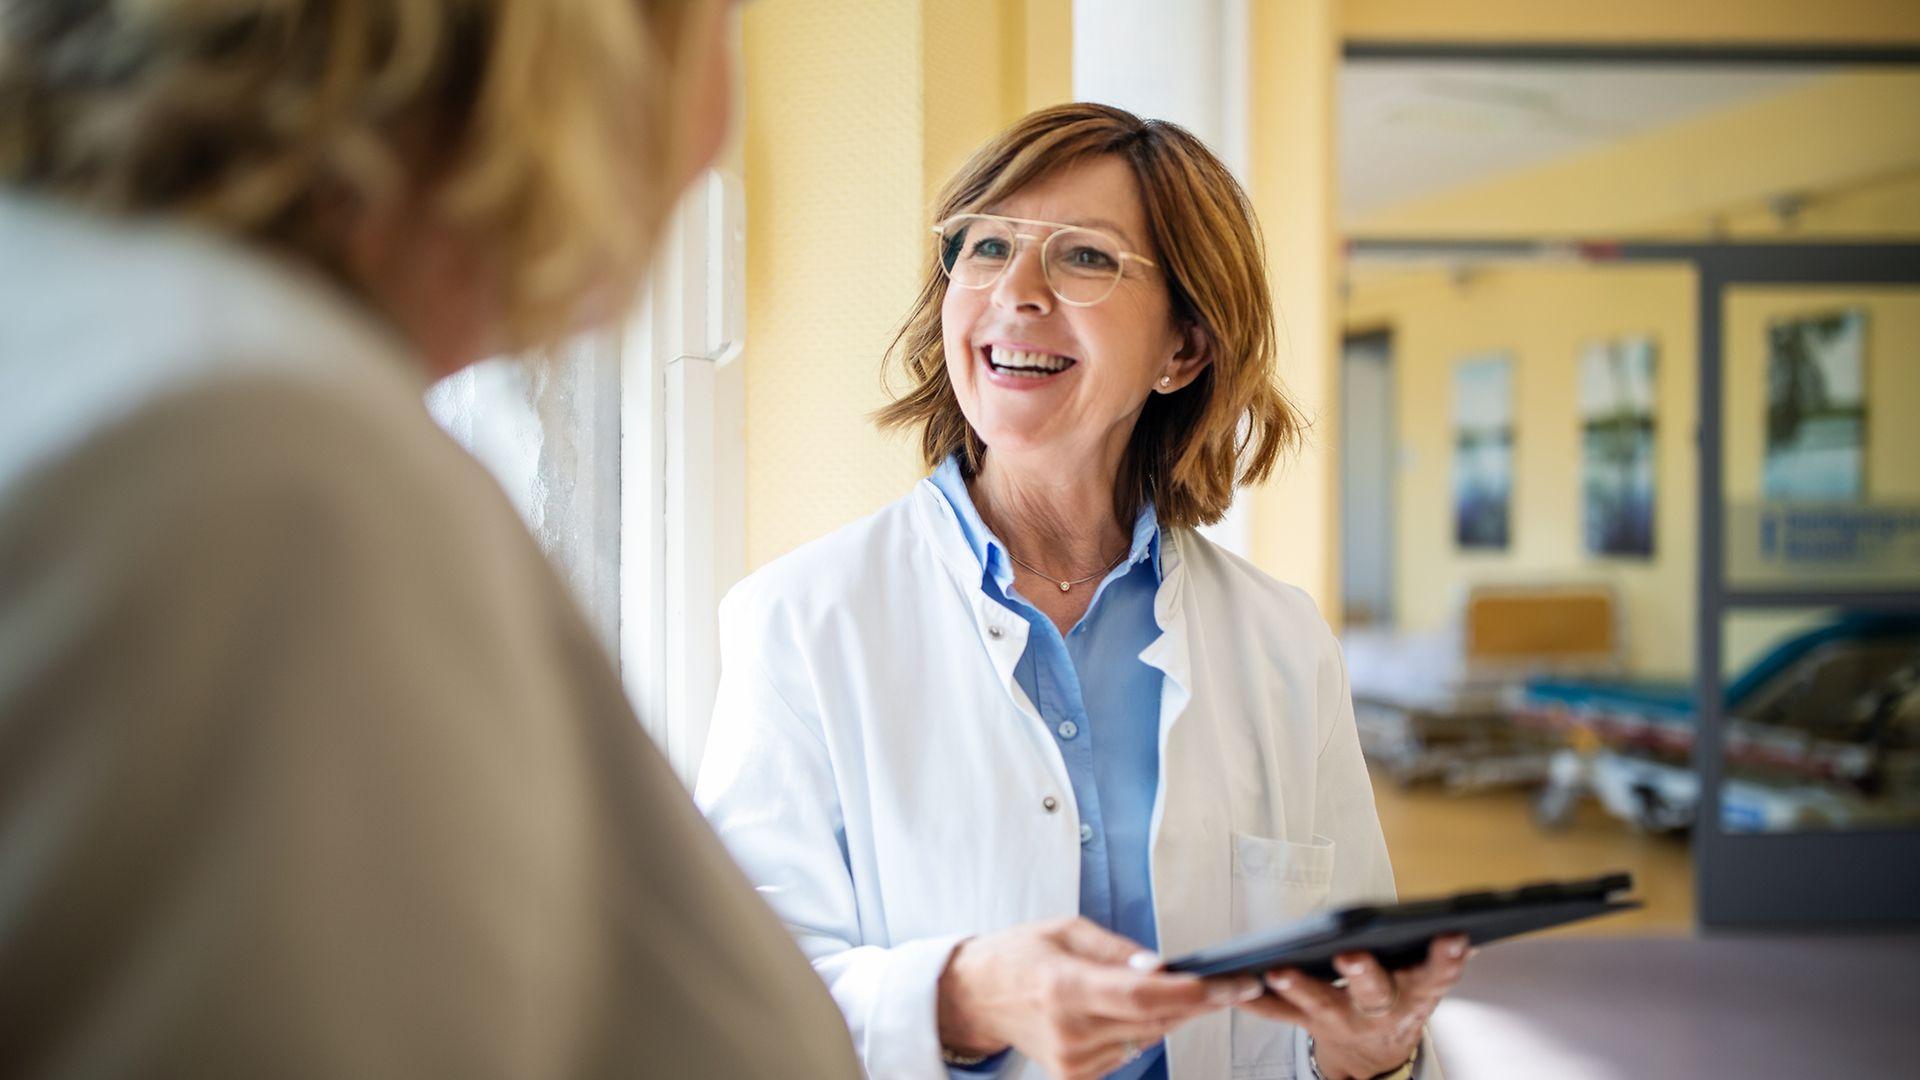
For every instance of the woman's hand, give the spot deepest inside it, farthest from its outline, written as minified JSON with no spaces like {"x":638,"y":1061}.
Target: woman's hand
{"x":1374,"y":1024}
{"x":1068,"y":995}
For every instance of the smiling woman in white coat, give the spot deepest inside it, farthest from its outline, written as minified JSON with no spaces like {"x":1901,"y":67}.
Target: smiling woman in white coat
{"x":994,"y":750}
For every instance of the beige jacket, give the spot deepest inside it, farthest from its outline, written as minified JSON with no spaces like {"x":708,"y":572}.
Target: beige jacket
{"x":308,"y":764}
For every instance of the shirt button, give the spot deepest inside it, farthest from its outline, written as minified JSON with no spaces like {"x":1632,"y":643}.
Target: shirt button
{"x":1049,"y":804}
{"x":1086,"y":834}
{"x":994,"y":632}
{"x":1068,"y":729}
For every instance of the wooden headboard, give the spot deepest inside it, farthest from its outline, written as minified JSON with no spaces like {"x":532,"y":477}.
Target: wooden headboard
{"x":1560,"y":627}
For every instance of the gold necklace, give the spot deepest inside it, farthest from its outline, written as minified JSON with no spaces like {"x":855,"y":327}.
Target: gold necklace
{"x":1066,"y":585}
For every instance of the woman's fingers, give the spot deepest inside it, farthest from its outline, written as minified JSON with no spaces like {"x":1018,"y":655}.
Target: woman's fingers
{"x":1138,"y":1032}
{"x":1375,"y":1020}
{"x":1446,"y":962}
{"x":1086,"y":938}
{"x":1119,"y":982}
{"x":1099,"y":1062}
{"x":1098,"y":1047}
{"x":1072,"y":996}
{"x":1125,"y":994}
{"x":1268,"y":1007}
{"x":1370,"y":988}
{"x":1447,"y":957}
{"x":1320,"y":1002}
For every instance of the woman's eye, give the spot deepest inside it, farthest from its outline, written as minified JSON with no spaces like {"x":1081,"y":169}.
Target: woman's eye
{"x":1090,"y":258}
{"x":991,"y":248}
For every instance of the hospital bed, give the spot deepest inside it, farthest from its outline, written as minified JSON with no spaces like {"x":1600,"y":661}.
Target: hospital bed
{"x":1438,"y":704}
{"x":1823,"y":731}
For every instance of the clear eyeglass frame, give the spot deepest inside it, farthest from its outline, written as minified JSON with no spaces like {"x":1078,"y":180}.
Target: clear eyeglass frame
{"x":1058,"y":229}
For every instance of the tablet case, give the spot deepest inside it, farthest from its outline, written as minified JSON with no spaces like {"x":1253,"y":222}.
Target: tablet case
{"x":1397,"y":934}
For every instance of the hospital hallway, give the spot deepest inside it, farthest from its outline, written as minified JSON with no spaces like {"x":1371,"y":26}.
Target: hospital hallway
{"x":1443,"y":842}
{"x":1639,"y":996}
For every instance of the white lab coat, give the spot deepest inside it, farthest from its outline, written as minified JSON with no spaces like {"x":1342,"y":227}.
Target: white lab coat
{"x":879,"y":773}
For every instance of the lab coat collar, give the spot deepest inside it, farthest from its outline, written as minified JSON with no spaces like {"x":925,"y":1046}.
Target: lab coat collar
{"x":1002,"y":630}
{"x":939,"y":526}
{"x":1005,"y":631}
{"x":1170,"y":652}
{"x":987,"y":549}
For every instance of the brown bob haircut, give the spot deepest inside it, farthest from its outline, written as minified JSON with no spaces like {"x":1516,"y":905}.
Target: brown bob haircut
{"x":1189,"y":448}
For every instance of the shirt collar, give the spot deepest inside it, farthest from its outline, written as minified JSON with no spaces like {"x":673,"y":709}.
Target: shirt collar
{"x":991,"y":554}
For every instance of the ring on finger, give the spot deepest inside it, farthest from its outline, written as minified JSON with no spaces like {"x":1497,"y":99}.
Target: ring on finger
{"x":1375,"y":1014}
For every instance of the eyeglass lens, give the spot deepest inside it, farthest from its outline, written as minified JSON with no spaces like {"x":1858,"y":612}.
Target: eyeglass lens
{"x":1082,"y":266}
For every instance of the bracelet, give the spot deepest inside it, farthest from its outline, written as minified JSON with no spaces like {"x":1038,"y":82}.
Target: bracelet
{"x":1404,"y":1072}
{"x":951,"y":1057}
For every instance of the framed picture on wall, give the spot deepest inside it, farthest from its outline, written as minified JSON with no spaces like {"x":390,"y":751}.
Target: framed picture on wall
{"x":1816,"y":408}
{"x":1483,"y":451}
{"x":1616,"y":446}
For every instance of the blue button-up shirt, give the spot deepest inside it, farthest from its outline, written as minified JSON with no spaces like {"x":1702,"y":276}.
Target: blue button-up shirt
{"x":1102,"y":703}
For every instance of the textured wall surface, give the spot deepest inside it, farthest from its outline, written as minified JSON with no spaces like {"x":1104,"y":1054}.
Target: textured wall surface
{"x":1291,"y":177}
{"x":834,"y":192}
{"x":1541,"y":316}
{"x":856,"y":113}
{"x":1884,"y":22}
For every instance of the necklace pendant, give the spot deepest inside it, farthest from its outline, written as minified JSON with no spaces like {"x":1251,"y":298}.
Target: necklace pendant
{"x":1065,"y":585}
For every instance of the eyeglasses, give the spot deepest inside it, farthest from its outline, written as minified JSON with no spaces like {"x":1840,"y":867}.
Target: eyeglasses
{"x":1082,"y":266}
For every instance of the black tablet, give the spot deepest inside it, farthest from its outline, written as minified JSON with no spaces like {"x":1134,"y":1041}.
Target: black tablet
{"x":1397,"y":934}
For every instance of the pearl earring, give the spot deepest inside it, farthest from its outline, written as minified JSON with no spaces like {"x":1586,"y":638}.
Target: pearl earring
{"x":1166,"y":381}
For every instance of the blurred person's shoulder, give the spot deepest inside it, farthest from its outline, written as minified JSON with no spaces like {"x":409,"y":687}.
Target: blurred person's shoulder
{"x":104,"y":321}
{"x":175,"y":404}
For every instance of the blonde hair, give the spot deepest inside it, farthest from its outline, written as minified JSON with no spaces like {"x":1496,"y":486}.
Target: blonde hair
{"x":1189,"y":448}
{"x":538,"y":130}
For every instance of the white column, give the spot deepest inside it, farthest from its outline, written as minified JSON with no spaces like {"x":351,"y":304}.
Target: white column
{"x":1183,"y":62}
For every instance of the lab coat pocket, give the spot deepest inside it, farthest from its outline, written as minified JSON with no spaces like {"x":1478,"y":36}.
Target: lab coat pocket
{"x":1274,"y":881}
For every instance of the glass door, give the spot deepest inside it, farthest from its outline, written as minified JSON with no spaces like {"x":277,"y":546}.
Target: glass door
{"x":1808,"y":678}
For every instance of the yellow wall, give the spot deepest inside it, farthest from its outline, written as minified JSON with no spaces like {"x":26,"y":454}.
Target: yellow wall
{"x":1885,"y":207}
{"x":1296,"y":49}
{"x":1875,"y":22}
{"x":1036,"y":57}
{"x":1855,"y":144}
{"x":1851,"y":141}
{"x":1540,"y":316}
{"x":986,"y":65}
{"x":855,"y":113}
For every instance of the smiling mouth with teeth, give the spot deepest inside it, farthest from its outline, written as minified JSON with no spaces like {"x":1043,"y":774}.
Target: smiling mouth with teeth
{"x":1027,"y":365}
